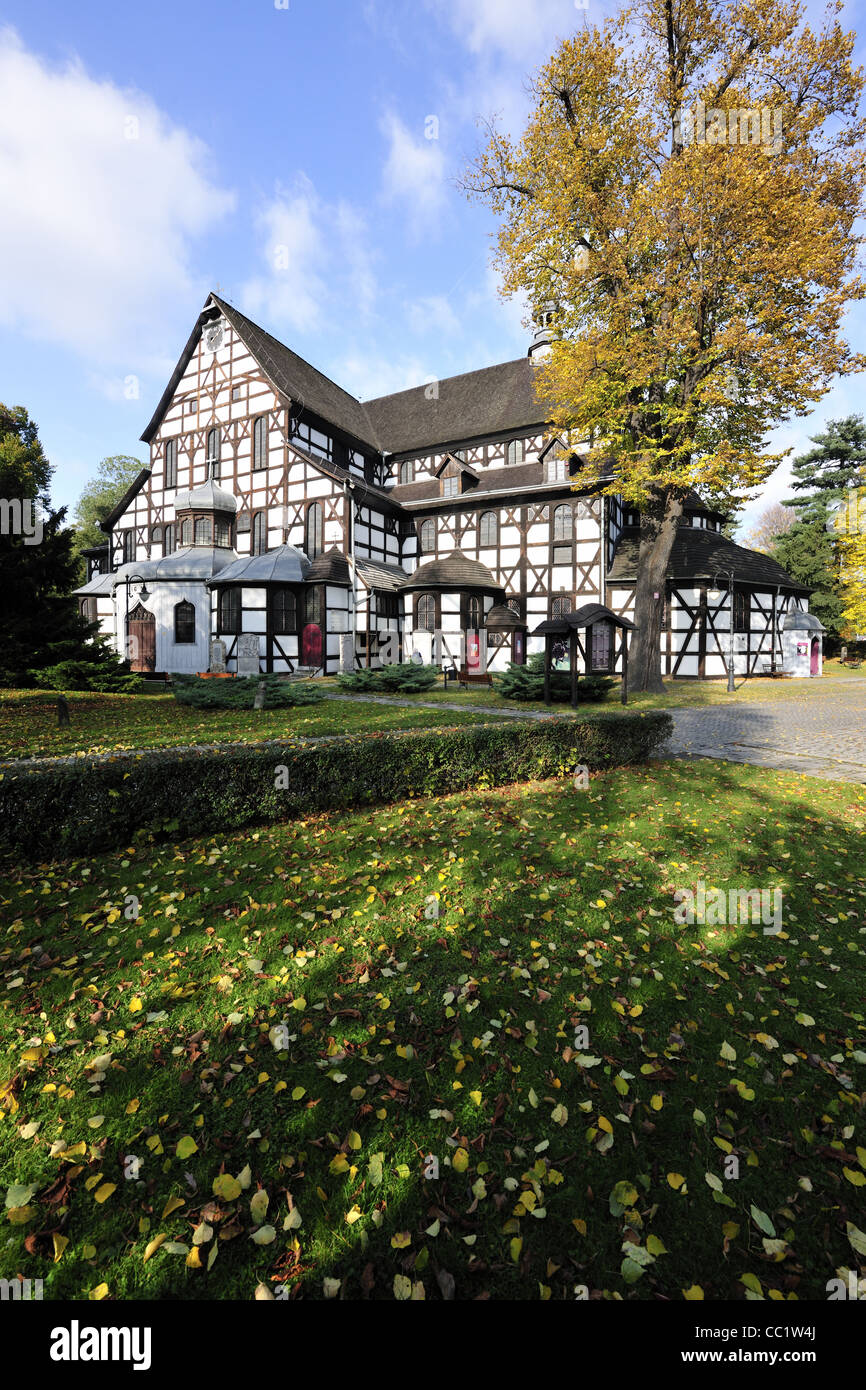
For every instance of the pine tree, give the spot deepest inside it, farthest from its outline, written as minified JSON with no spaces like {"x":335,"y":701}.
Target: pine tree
{"x":41,"y":626}
{"x":827,"y":473}
{"x":806,"y":551}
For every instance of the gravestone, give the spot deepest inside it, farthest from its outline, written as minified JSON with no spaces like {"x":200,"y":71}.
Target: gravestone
{"x":248,"y":654}
{"x":347,"y":652}
{"x":217,"y":657}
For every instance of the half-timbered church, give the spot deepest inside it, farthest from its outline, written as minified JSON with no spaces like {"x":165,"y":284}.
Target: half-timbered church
{"x":284,"y":525}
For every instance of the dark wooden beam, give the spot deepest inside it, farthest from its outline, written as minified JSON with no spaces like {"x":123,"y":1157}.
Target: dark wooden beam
{"x":547,"y":647}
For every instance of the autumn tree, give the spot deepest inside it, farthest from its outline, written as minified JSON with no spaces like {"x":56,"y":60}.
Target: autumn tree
{"x":774,"y":521}
{"x":684,"y":194}
{"x":99,"y":498}
{"x":849,"y":532}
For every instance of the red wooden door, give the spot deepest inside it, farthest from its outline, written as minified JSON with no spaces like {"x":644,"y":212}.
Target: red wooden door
{"x":311,"y":645}
{"x":813,"y":665}
{"x":142,"y":639}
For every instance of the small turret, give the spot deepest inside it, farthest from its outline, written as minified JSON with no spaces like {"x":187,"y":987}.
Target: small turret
{"x":543,"y":319}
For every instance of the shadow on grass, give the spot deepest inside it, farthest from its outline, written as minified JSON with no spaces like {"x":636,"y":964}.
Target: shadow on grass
{"x":555,"y":912}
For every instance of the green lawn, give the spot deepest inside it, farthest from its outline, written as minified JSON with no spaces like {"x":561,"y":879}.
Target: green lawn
{"x":678,"y":694}
{"x":288,"y":1029}
{"x":99,"y":723}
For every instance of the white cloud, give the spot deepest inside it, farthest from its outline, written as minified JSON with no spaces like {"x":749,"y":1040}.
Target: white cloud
{"x":292,"y":288}
{"x":312,"y":252}
{"x":433,"y":313}
{"x":367,"y":377}
{"x":414,"y":174}
{"x":517,"y":27}
{"x":103,"y":197}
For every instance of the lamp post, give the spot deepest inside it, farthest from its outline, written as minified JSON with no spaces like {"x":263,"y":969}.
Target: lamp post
{"x":715,"y":594}
{"x":144,"y":595}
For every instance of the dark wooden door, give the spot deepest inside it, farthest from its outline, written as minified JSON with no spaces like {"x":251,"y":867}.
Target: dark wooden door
{"x":142,"y":639}
{"x":311,"y":645}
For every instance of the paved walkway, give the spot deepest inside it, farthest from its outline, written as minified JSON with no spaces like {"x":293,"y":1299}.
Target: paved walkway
{"x":822,"y":732}
{"x":819,"y":729}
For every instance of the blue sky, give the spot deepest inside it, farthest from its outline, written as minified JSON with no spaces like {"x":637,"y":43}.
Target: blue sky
{"x":153,"y":152}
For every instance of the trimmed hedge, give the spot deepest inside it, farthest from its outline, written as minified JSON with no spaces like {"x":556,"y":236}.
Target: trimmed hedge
{"x":240,"y":692}
{"x":404,"y":677}
{"x":92,"y":804}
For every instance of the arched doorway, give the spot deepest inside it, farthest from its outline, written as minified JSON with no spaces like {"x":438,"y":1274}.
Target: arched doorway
{"x":311,"y":645}
{"x":815,"y":660}
{"x":141,"y":639}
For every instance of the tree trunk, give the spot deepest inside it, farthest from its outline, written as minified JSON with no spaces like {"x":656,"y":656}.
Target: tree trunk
{"x":658,"y":528}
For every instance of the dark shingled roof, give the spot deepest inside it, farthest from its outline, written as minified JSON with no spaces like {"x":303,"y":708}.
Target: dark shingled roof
{"x":515,"y":477}
{"x":377,"y":575}
{"x":332,"y":567}
{"x":590,"y":613}
{"x":488,"y":401}
{"x":501,"y":618}
{"x":697,"y":553}
{"x":455,"y":571}
{"x":582,"y":617}
{"x":493,"y":399}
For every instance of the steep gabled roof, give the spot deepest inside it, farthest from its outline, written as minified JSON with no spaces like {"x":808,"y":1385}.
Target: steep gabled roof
{"x":288,"y":373}
{"x":493,"y":400}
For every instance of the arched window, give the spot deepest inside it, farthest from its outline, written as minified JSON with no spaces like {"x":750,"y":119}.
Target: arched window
{"x":514,"y":451}
{"x":425,"y":613}
{"x":560,"y":607}
{"x":156,"y":535}
{"x":171,"y":463}
{"x":260,"y":442}
{"x":260,"y":533}
{"x":563,"y":523}
{"x":428,"y":537}
{"x":87,"y":607}
{"x":184,"y":621}
{"x":474,"y":613}
{"x":186,"y":532}
{"x":229,"y":617}
{"x":488,"y":529}
{"x":168,"y":541}
{"x":407,"y":471}
{"x":313,"y":605}
{"x":314,"y":530}
{"x":284,"y":611}
{"x":128,"y":543}
{"x":742,"y":608}
{"x":214,"y":448}
{"x":203,"y":530}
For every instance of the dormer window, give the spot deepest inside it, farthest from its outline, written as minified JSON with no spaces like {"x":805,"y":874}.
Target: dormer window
{"x":451,"y":486}
{"x":556,"y":468}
